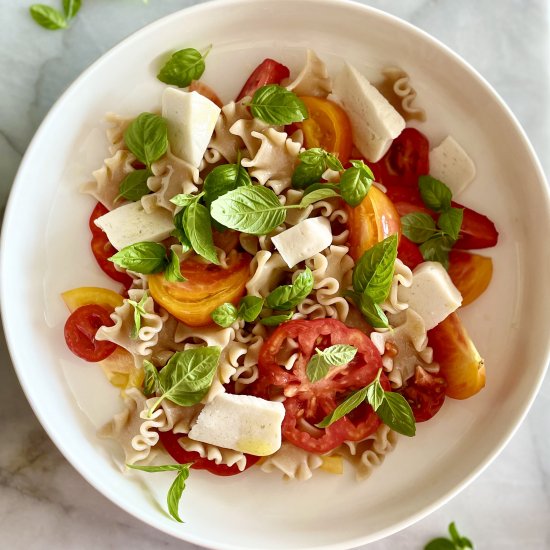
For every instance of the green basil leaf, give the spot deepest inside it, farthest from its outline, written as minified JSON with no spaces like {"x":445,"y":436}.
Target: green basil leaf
{"x":151,"y":382}
{"x":355,"y":183}
{"x":224,"y":315}
{"x":466,"y":543}
{"x":318,"y":195}
{"x":179,"y":234}
{"x":134,"y":185}
{"x":172,"y":273}
{"x":440,"y":543}
{"x":163,"y":468}
{"x":277,"y":105}
{"x":48,"y":17}
{"x":183,"y":67}
{"x":435,"y":194}
{"x":333,"y":356}
{"x":306,"y":174}
{"x":143,"y":257}
{"x":198,"y":229}
{"x":373,"y":273}
{"x":223,"y":179}
{"x":139,"y":310}
{"x":317,"y":368}
{"x":250,"y":307}
{"x":375,"y":393}
{"x":252,"y":209}
{"x":437,"y":249}
{"x":450,"y":221}
{"x":316,"y":186}
{"x":333,"y":162}
{"x":147,"y":137}
{"x":313,"y":156}
{"x":418,"y":226}
{"x":174,"y":493}
{"x":396,"y":413}
{"x":276,"y":320}
{"x":185,"y":199}
{"x":71,"y":8}
{"x":289,"y":296}
{"x":351,"y":403}
{"x":371,"y":311}
{"x":455,"y":537}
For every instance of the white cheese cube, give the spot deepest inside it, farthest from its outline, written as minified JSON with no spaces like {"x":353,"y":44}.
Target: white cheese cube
{"x":191,"y":120}
{"x":432,"y":294}
{"x":450,"y":164}
{"x":240,"y":422}
{"x":304,"y":240}
{"x":374,"y":121}
{"x":130,"y":224}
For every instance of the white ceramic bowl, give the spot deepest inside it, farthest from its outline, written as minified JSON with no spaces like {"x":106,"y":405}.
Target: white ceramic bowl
{"x":45,"y":251}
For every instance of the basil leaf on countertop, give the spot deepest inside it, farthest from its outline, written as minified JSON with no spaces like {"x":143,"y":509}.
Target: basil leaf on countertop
{"x":71,"y":7}
{"x":48,"y":17}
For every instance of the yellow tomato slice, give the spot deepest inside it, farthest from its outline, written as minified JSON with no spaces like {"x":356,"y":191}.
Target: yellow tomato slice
{"x":470,"y":273}
{"x":86,"y":295}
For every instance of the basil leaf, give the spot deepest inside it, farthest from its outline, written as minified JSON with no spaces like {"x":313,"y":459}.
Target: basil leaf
{"x":183,"y":67}
{"x":172,"y":273}
{"x":224,"y":315}
{"x":48,"y":17}
{"x":450,"y":221}
{"x":318,"y":195}
{"x":151,"y":382}
{"x":418,"y":226}
{"x":250,"y":307}
{"x":351,"y":403}
{"x":356,"y":182}
{"x":375,"y":393}
{"x":163,"y":468}
{"x":396,"y":413}
{"x":277,"y":105}
{"x":317,"y":368}
{"x":289,"y":296}
{"x":437,"y":249}
{"x":313,"y":156}
{"x":333,"y":162}
{"x":276,"y":320}
{"x":440,"y":544}
{"x":179,"y":234}
{"x":306,"y":174}
{"x":435,"y":194}
{"x":371,"y":311}
{"x":147,"y":137}
{"x":198,"y":229}
{"x":71,"y":8}
{"x":223,"y":179}
{"x":185,"y":199}
{"x":316,"y":186}
{"x":252,"y":209}
{"x":174,"y":493}
{"x":134,"y":185}
{"x":455,"y":537}
{"x":333,"y":356}
{"x":139,"y":310}
{"x":143,"y":257}
{"x":373,"y":273}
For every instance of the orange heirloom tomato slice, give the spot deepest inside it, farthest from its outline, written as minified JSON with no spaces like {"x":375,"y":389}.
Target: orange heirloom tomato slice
{"x":470,"y":273}
{"x":327,"y":126}
{"x":371,"y":222}
{"x":88,"y":295}
{"x":207,"y":287}
{"x":459,"y":361}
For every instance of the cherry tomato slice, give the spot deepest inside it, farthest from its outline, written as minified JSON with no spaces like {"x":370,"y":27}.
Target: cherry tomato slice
{"x":425,"y":394}
{"x":327,"y":126}
{"x":267,"y":72}
{"x":80,"y":330}
{"x":181,"y":456}
{"x":98,"y":211}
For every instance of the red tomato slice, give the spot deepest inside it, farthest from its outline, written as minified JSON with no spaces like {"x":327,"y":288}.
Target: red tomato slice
{"x":426,"y":394}
{"x":181,"y":456}
{"x":267,"y":72}
{"x":80,"y":330}
{"x":206,"y":91}
{"x":307,"y":403}
{"x":409,"y":253}
{"x":98,"y":211}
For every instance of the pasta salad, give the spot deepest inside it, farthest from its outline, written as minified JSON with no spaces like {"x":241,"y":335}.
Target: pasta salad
{"x":291,"y":265}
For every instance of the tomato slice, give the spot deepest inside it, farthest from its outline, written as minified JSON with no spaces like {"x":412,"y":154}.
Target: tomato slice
{"x":181,"y":456}
{"x":207,"y":287}
{"x":206,"y":91}
{"x":84,"y":295}
{"x":425,"y":394}
{"x":327,"y":126}
{"x":267,"y":72}
{"x":80,"y":330}
{"x":470,"y":273}
{"x":98,"y":211}
{"x":409,"y":253}
{"x":307,"y":403}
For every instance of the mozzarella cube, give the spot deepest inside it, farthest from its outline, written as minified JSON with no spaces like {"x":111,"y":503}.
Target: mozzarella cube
{"x":304,"y":240}
{"x":240,"y":422}
{"x":375,"y":122}
{"x":450,"y":164}
{"x":130,"y":224}
{"x":432,"y":294}
{"x":191,"y":119}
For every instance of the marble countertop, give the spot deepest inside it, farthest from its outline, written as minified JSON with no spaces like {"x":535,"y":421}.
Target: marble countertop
{"x":44,"y":503}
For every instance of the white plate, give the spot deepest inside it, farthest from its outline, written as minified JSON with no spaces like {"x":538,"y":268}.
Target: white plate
{"x":45,"y":251}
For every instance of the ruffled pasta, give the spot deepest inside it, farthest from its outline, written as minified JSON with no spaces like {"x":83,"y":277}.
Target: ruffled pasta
{"x":115,"y":131}
{"x":217,"y":454}
{"x":313,"y":79}
{"x":402,"y":275}
{"x":398,"y":91}
{"x":266,"y":270}
{"x":292,"y":462}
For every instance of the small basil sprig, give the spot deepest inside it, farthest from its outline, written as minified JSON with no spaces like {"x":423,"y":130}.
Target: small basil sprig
{"x":151,"y":378}
{"x":277,"y":105}
{"x":355,"y":182}
{"x":435,"y":239}
{"x":134,"y":185}
{"x":392,"y":408}
{"x":333,"y":356}
{"x":147,"y":138}
{"x":172,"y":273}
{"x":456,"y":541}
{"x":187,"y":376}
{"x":313,"y":163}
{"x":52,"y":19}
{"x":223,"y":179}
{"x":277,"y":319}
{"x":143,"y":257}
{"x":248,"y":310}
{"x":183,"y":67}
{"x":286,"y":297}
{"x":372,"y":278}
{"x":139,"y":312}
{"x":176,"y":489}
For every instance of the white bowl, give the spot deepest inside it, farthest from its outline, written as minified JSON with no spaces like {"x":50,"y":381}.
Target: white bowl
{"x":45,"y":251}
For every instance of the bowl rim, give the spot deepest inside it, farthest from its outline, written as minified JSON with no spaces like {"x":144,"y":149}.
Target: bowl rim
{"x":17,"y":188}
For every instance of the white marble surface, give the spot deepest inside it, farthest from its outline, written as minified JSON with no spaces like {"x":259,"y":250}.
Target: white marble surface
{"x":44,"y":503}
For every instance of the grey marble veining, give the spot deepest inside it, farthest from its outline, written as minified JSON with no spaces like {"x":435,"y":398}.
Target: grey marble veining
{"x":44,"y":503}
